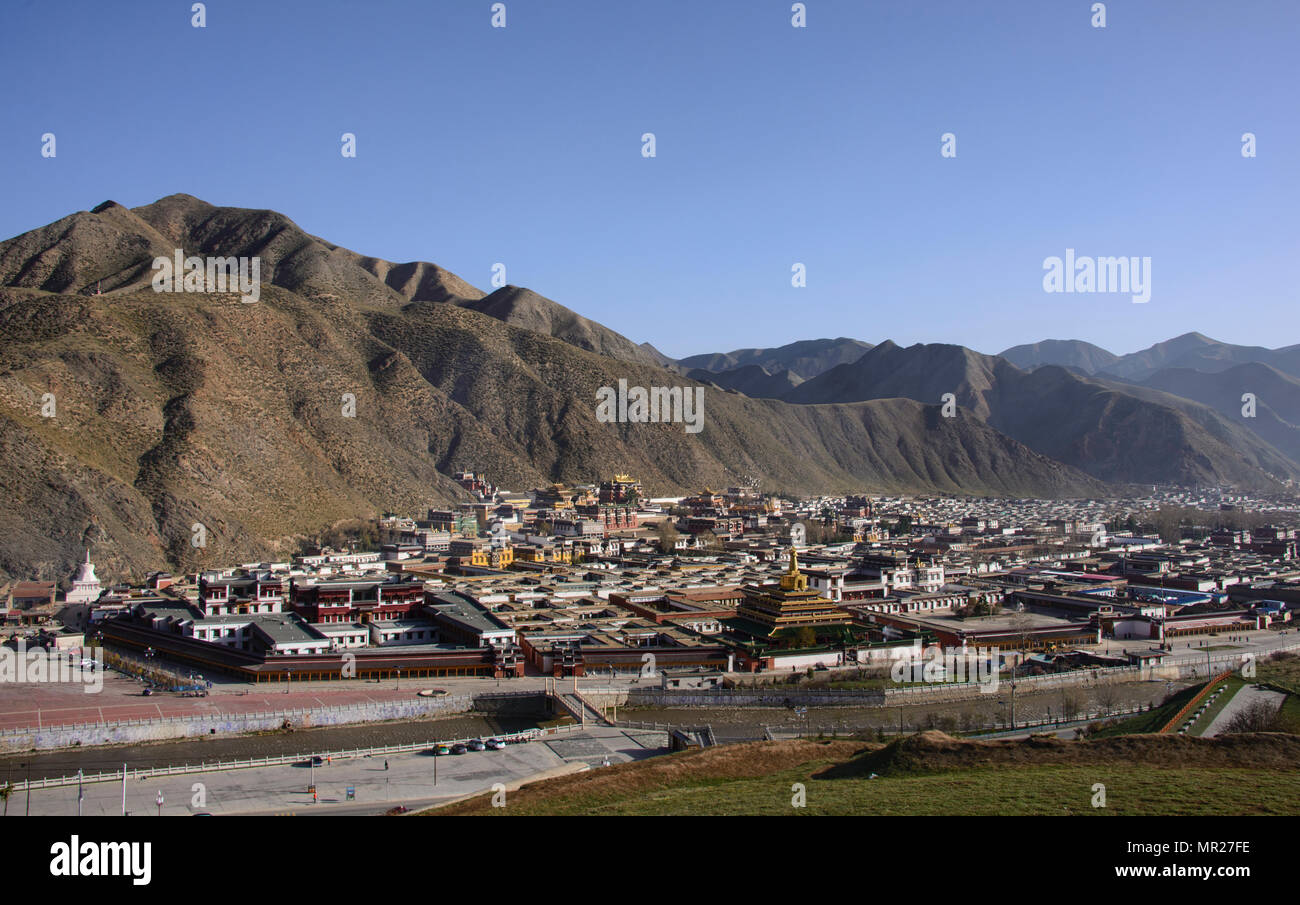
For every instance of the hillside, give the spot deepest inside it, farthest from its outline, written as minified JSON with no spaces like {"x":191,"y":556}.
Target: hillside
{"x":806,"y":358}
{"x":1277,"y":399}
{"x":932,"y":774}
{"x":525,"y":308}
{"x":752,"y":380}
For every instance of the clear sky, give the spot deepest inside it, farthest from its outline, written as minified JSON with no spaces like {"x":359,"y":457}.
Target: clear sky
{"x":775,"y":145}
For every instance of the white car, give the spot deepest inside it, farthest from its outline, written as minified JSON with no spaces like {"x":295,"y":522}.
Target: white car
{"x":495,"y":744}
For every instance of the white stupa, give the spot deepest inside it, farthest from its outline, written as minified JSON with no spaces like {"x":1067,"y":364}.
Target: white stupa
{"x":85,"y":587}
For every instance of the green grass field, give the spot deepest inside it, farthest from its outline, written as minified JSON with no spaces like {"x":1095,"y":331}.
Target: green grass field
{"x":1231,"y":686}
{"x":1161,"y":775}
{"x":1041,"y":791}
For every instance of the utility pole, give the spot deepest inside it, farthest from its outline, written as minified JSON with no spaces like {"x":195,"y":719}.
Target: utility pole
{"x":123,"y":790}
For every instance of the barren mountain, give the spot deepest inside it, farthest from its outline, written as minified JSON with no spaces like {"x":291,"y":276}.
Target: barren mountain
{"x":1197,"y":352}
{"x":806,"y":358}
{"x":193,"y":429}
{"x":525,"y":308}
{"x":1276,"y":415}
{"x":1112,"y":431}
{"x":1067,"y":353}
{"x":751,"y":380}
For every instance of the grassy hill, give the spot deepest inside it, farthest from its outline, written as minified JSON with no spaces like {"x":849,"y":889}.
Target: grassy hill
{"x":932,"y":774}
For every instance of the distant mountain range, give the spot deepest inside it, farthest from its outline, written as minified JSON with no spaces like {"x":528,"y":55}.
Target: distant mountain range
{"x":1113,"y":431}
{"x":1170,"y":413}
{"x":1191,"y":351}
{"x":131,"y":419}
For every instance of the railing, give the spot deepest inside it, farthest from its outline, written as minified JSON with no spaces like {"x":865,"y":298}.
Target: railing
{"x":527,"y":735}
{"x":991,"y":729}
{"x":1196,"y":699}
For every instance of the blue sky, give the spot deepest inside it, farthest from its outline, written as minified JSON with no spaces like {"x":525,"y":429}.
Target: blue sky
{"x":775,"y":145}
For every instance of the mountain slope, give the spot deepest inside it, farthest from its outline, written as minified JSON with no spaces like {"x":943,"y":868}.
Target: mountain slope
{"x":525,"y":308}
{"x":752,"y":380}
{"x":806,"y":358}
{"x":1276,"y":416}
{"x":1111,"y":431}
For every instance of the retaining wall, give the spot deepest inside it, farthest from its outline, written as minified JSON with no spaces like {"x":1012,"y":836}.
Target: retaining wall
{"x":135,"y":731}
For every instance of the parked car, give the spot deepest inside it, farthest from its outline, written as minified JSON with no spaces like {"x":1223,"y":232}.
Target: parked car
{"x":316,"y":760}
{"x":441,"y":749}
{"x":458,"y":748}
{"x":476,"y":744}
{"x":495,"y":744}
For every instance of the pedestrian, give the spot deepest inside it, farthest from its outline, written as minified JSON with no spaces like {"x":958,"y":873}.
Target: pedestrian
{"x":385,"y":765}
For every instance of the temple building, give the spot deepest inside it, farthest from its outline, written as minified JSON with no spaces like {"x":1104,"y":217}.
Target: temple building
{"x":766,"y":611}
{"x":621,"y":490}
{"x":557,"y":496}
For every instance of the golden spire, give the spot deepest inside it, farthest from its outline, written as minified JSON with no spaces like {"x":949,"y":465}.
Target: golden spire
{"x":793,"y":579}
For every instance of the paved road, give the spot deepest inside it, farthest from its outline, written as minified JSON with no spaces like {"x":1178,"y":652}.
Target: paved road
{"x":1244,"y":698}
{"x":409,"y":780}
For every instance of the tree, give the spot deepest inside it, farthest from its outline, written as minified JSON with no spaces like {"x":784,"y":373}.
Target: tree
{"x":1022,"y":624}
{"x":1108,"y":698}
{"x":667,"y":534}
{"x":801,"y":637}
{"x":1258,"y":716}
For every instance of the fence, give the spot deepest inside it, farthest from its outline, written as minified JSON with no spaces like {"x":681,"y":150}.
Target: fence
{"x":990,"y":730}
{"x":1196,"y":699}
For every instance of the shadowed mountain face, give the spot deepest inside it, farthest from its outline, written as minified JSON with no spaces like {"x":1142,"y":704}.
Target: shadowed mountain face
{"x":132,"y":419}
{"x":1109,"y":429}
{"x":804,"y":359}
{"x":751,"y":380}
{"x":1272,"y":412}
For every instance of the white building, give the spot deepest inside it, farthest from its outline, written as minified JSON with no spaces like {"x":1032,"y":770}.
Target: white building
{"x":85,"y":587}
